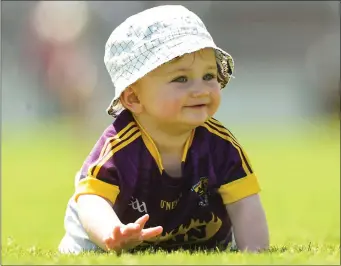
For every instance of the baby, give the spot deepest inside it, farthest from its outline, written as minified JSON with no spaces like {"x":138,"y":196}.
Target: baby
{"x":165,"y":174}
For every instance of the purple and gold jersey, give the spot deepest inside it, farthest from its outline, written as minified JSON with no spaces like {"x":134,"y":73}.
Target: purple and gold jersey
{"x":126,"y":168}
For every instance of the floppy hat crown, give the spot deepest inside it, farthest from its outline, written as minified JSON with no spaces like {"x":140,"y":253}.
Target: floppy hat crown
{"x":153,"y":37}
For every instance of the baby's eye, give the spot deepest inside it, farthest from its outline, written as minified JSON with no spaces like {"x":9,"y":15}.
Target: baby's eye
{"x":209,"y":77}
{"x":181,"y":79}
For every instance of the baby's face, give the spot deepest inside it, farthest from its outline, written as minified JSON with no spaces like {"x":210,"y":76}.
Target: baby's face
{"x":182,"y":91}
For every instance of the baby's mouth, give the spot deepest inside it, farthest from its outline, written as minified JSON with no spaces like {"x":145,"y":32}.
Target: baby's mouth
{"x":196,"y":106}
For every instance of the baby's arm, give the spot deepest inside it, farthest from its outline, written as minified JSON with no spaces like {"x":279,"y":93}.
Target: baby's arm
{"x":97,"y":217}
{"x":240,"y":189}
{"x":249,"y":224}
{"x":97,"y":188}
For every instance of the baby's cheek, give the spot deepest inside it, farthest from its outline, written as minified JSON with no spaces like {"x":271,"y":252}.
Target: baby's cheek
{"x":169,"y":108}
{"x":168,"y":104}
{"x":215,"y":101}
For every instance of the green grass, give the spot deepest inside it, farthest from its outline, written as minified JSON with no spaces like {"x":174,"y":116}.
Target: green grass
{"x":299,"y":173}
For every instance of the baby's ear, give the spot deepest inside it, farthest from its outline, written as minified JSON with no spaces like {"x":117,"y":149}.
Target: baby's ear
{"x":130,"y":100}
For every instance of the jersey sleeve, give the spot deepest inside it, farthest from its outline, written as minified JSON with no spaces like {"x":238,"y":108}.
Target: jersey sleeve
{"x":237,"y":177}
{"x":98,"y":174}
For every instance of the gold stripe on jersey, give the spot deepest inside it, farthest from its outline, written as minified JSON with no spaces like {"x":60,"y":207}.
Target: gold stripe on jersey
{"x":239,"y":189}
{"x":94,"y":186}
{"x":223,"y":128}
{"x":107,"y":145}
{"x":148,"y":141}
{"x":214,"y":131}
{"x":187,"y":146}
{"x":219,"y":127}
{"x":117,"y":145}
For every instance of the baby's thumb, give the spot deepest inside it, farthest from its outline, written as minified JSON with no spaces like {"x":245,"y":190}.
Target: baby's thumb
{"x":116,"y":233}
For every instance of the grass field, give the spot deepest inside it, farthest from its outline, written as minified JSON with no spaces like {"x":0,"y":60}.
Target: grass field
{"x":299,"y":173}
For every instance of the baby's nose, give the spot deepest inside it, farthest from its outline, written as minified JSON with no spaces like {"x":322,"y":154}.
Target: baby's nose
{"x":200,"y":92}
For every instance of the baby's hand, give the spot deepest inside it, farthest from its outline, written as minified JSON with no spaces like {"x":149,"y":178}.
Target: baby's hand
{"x":131,"y":235}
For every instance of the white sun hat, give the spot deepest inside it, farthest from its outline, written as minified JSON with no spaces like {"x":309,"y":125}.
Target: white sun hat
{"x":153,"y":37}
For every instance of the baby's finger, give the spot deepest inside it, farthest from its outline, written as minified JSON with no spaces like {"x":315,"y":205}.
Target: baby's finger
{"x":130,"y":229}
{"x":116,"y":233}
{"x":142,"y":220}
{"x":150,"y":232}
{"x":114,"y":240}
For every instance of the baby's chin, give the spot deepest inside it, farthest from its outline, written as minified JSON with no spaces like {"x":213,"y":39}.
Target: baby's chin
{"x":185,"y":120}
{"x":196,"y":121}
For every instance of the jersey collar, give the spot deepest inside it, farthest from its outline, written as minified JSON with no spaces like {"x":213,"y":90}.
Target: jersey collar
{"x":150,"y":144}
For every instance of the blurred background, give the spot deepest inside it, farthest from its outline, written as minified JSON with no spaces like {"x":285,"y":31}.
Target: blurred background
{"x":287,"y":58}
{"x":283,"y":105}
